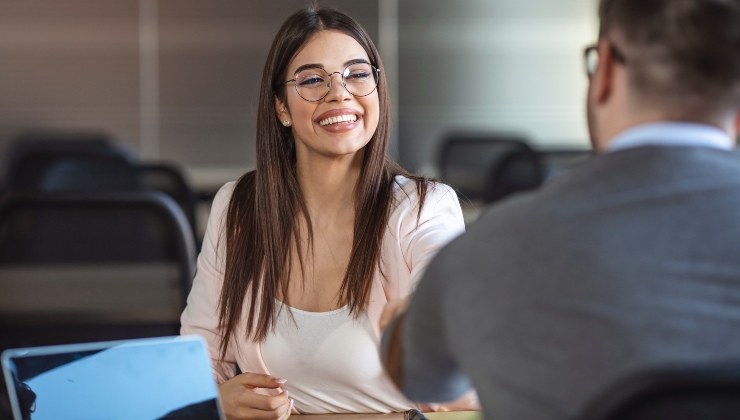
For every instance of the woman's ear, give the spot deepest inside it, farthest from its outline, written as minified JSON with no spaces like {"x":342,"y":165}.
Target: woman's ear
{"x":282,"y":113}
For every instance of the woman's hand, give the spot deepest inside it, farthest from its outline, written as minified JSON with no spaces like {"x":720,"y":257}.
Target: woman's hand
{"x":241,"y":402}
{"x":390,"y":310}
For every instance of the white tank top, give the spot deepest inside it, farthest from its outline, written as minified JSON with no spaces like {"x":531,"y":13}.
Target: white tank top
{"x":331,"y":362}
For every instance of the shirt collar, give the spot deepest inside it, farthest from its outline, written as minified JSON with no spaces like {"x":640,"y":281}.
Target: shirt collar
{"x":672,"y":134}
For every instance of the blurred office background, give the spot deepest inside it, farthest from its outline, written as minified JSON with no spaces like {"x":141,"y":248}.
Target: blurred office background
{"x":165,"y":93}
{"x":178,"y":80}
{"x":119,"y":120}
{"x":488,"y":95}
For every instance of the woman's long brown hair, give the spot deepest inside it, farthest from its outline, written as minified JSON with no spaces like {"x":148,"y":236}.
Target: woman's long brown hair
{"x":261,"y":217}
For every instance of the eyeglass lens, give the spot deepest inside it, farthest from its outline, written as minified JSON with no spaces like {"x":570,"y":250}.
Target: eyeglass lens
{"x":359,"y":79}
{"x":592,"y":60}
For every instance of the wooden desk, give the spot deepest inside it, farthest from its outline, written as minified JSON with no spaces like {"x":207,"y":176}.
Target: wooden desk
{"x":452,"y":415}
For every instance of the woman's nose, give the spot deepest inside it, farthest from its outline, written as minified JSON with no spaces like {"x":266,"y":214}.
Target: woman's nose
{"x":337,"y":91}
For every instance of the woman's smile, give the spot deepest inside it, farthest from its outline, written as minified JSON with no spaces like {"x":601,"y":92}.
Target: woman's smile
{"x":339,"y":120}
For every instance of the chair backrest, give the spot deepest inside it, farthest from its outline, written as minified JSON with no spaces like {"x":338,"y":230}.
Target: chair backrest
{"x":518,"y":170}
{"x":98,"y":230}
{"x":170,"y":180}
{"x":680,"y":392}
{"x":48,"y":163}
{"x":75,"y":142}
{"x":42,"y":164}
{"x":488,"y":167}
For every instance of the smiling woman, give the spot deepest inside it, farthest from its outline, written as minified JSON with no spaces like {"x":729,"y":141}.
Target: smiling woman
{"x":335,"y":94}
{"x":301,"y":254}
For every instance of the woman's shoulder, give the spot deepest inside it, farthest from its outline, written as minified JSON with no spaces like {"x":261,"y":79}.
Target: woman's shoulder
{"x":438,"y":202}
{"x":409,"y":208}
{"x":406,"y":189}
{"x":220,"y":204}
{"x":240,"y":187}
{"x":223,"y":195}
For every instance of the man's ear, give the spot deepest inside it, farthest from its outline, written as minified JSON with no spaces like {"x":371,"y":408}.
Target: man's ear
{"x":603,"y":78}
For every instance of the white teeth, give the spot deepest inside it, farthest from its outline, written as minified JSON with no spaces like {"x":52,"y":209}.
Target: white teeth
{"x":338,"y":119}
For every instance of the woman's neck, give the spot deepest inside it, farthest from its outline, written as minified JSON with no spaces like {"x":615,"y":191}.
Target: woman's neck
{"x":328,"y":187}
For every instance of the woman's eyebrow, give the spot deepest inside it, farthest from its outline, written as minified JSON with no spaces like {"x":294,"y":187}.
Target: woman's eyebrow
{"x":356,"y":61}
{"x":320,"y":66}
{"x":309,"y":66}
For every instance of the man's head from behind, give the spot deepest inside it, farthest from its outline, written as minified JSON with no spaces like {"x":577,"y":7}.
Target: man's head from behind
{"x":665,"y":60}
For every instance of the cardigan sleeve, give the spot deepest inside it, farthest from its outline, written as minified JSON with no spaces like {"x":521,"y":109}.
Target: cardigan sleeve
{"x":201,"y":312}
{"x":440,"y":221}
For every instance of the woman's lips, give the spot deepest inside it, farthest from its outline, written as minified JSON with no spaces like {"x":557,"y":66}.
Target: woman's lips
{"x":339,"y":120}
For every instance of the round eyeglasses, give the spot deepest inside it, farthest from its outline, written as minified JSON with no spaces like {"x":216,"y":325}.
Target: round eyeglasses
{"x":313,"y":84}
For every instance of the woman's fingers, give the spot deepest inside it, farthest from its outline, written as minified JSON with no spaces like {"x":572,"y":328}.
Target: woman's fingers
{"x":287,"y":409}
{"x":259,"y":380}
{"x":240,"y":401}
{"x":263,"y":407}
{"x":273,"y":403}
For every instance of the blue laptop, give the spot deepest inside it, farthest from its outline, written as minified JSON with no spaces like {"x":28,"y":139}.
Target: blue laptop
{"x":147,"y":379}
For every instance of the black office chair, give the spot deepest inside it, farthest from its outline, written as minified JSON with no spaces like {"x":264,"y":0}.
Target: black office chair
{"x":67,"y":161}
{"x":80,"y":162}
{"x":518,"y":170}
{"x":488,"y":167}
{"x":89,"y":267}
{"x":700,"y":392}
{"x":167,"y":178}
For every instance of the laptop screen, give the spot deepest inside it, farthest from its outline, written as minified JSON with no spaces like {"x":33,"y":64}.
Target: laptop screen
{"x":161,"y":378}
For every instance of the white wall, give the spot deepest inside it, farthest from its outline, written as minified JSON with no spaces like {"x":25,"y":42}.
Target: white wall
{"x":492,"y":65}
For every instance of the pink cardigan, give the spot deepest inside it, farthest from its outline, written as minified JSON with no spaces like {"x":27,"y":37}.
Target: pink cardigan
{"x":406,"y":251}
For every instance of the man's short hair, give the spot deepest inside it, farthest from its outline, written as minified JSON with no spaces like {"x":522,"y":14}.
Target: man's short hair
{"x":678,"y":50}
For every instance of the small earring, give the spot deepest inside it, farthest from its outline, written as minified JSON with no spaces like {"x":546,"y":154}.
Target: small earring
{"x":286,"y":123}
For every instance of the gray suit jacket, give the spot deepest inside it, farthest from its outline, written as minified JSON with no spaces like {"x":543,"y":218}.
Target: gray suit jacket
{"x":632,"y":258}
